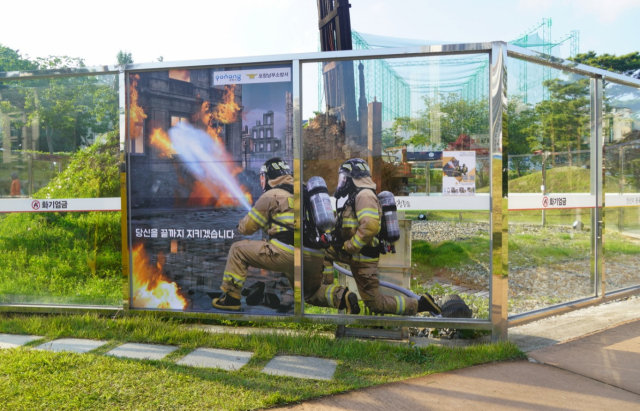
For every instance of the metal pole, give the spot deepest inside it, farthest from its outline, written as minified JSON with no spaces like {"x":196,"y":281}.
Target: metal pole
{"x":622,"y":183}
{"x":298,"y":298}
{"x":543,"y":188}
{"x":597,"y":273}
{"x":427,"y":175}
{"x":499,"y":280}
{"x":123,"y":115}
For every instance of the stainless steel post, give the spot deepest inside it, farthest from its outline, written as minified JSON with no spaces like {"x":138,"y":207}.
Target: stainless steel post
{"x":297,"y":188}
{"x":123,"y":87}
{"x":597,"y":275}
{"x":499,"y":193}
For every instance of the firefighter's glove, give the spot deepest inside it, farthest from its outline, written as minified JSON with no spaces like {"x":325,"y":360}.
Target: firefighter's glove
{"x":344,"y":254}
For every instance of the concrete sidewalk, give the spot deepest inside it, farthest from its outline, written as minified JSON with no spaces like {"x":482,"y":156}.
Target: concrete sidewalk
{"x":598,"y":371}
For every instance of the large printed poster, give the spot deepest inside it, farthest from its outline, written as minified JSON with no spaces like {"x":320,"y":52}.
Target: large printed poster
{"x":458,"y":173}
{"x":197,"y":140}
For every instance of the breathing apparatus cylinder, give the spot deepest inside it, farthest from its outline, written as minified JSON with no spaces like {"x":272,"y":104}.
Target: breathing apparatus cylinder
{"x":321,"y":204}
{"x":391,"y":224}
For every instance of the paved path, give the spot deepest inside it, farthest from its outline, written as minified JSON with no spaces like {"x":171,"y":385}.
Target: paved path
{"x":612,"y":357}
{"x":596,"y":372}
{"x":230,"y":360}
{"x":560,"y":328}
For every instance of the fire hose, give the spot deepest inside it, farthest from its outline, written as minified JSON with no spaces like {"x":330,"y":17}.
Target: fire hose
{"x":385,"y":284}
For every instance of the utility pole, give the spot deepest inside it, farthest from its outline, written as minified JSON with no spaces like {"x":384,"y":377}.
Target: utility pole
{"x":543,"y":187}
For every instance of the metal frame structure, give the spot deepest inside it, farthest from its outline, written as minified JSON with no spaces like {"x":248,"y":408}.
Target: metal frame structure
{"x":498,"y":53}
{"x":547,"y":47}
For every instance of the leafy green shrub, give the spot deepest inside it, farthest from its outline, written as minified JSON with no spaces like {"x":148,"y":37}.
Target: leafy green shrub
{"x":92,"y":172}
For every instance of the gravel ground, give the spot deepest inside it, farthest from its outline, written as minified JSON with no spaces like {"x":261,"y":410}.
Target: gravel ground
{"x":439,"y":231}
{"x":530,"y":288}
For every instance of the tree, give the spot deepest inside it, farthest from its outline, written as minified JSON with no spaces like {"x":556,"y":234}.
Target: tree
{"x":626,"y":64}
{"x":563,"y":118}
{"x":521,"y":120}
{"x":57,"y":62}
{"x":67,"y":110}
{"x":12,"y":60}
{"x":124,"y":57}
{"x":391,"y":138}
{"x":450,"y":116}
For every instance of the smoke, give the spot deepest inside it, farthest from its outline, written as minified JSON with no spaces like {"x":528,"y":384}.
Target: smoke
{"x":207,"y":160}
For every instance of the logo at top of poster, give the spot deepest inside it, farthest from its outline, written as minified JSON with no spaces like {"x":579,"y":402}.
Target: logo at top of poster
{"x":270,"y":75}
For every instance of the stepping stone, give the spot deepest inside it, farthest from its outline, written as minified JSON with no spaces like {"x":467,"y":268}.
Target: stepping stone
{"x":215,"y":358}
{"x":13,"y":341}
{"x":301,"y":367}
{"x":142,"y":351}
{"x":71,"y":344}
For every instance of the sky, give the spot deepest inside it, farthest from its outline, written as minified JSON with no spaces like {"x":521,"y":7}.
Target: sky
{"x":196,"y":29}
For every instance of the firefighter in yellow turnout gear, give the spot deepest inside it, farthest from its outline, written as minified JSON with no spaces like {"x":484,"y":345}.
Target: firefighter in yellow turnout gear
{"x":358,"y":246}
{"x":273,"y":212}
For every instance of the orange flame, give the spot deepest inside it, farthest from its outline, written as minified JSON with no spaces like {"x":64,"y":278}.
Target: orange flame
{"x":151,"y":289}
{"x":247,"y":194}
{"x":214,"y":132}
{"x":205,"y":193}
{"x":200,"y":196}
{"x":136,"y":113}
{"x":227,"y":111}
{"x":160,"y":140}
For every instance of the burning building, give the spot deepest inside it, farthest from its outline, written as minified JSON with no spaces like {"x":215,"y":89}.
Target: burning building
{"x":160,"y":100}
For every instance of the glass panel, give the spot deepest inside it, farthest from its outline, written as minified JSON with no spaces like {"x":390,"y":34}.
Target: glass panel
{"x":199,"y":216}
{"x":59,"y":174}
{"x":61,"y":258}
{"x":420,"y":127}
{"x":621,"y":129}
{"x":44,"y":122}
{"x":550,"y":192}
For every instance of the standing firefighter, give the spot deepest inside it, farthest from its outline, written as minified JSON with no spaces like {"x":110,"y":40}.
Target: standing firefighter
{"x":357,"y":244}
{"x":273,"y":212}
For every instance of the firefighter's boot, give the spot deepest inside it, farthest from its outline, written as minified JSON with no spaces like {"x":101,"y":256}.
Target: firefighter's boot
{"x":350,"y":302}
{"x":427,"y":303}
{"x":227,"y":303}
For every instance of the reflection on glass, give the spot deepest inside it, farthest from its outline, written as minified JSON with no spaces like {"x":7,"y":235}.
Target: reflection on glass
{"x":621,"y":129}
{"x":550,"y":192}
{"x":61,"y":258}
{"x":60,"y":150}
{"x":421,"y":127}
{"x":45,"y":122}
{"x":205,"y":190}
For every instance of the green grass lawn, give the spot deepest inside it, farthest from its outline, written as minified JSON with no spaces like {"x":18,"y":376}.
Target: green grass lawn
{"x":42,"y":380}
{"x":561,"y":180}
{"x":61,"y":258}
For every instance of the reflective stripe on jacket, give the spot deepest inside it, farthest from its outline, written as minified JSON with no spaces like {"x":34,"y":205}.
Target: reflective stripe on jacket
{"x":274,"y":205}
{"x":362,"y":225}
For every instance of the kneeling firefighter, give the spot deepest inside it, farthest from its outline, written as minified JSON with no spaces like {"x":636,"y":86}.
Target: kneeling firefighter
{"x":318,"y":220}
{"x":273,"y":212}
{"x":357,"y":243}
